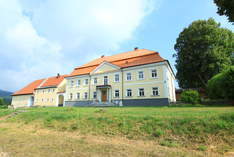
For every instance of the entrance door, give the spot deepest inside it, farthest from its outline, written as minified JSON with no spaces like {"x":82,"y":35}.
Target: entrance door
{"x":104,"y":95}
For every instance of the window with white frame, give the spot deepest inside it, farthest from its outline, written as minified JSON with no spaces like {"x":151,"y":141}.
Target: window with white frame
{"x":141,"y":92}
{"x":52,"y":100}
{"x":129,"y":77}
{"x":42,"y":100}
{"x":116,"y":93}
{"x":72,"y":83}
{"x":155,"y":91}
{"x":140,"y":75}
{"x":78,"y":83}
{"x":153,"y":73}
{"x":86,"y":81}
{"x":94,"y":95}
{"x":48,"y":90}
{"x":71,"y":96}
{"x":116,"y":77}
{"x":129,"y":93}
{"x":48,"y":99}
{"x":105,"y":80}
{"x":85,"y":95}
{"x":95,"y":80}
{"x":77,"y":95}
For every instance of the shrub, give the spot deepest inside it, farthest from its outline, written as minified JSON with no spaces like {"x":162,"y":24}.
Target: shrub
{"x":221,"y":86}
{"x":190,"y":96}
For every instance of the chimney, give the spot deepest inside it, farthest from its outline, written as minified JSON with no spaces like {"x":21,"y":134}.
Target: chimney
{"x":136,"y":48}
{"x":102,"y":56}
{"x":58,"y":75}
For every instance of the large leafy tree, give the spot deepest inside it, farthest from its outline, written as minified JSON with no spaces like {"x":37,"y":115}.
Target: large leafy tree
{"x":202,"y":50}
{"x":226,"y":7}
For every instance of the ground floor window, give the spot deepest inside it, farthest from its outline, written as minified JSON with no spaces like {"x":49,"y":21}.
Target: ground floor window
{"x":94,"y":95}
{"x":155,"y":91}
{"x":141,"y":92}
{"x":78,"y":95}
{"x":116,"y":93}
{"x":86,"y":95}
{"x":129,"y":93}
{"x":71,"y":96}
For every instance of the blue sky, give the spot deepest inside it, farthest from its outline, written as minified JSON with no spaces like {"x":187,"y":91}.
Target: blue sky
{"x":40,"y":38}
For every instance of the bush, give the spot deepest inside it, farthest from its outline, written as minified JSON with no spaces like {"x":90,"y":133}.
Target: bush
{"x":190,"y":96}
{"x":221,"y":86}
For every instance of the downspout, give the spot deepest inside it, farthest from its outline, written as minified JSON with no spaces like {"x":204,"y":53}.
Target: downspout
{"x":89,"y":86}
{"x":122,"y":85}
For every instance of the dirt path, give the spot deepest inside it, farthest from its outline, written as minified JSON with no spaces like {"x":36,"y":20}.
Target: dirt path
{"x":13,"y":114}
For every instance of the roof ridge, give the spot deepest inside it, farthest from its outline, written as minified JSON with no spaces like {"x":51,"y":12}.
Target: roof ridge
{"x":81,"y":67}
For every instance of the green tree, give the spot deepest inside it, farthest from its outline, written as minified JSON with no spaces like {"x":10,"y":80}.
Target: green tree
{"x":202,"y":50}
{"x":226,"y":7}
{"x":221,"y":86}
{"x":1,"y":102}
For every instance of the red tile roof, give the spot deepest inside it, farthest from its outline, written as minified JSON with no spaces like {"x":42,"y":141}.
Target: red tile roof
{"x":123,"y":60}
{"x":49,"y":82}
{"x":53,"y":81}
{"x":29,"y":88}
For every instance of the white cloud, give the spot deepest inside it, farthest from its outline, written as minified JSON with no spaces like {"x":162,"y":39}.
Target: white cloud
{"x":43,"y":37}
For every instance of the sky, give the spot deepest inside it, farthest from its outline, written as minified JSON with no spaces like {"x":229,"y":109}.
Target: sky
{"x":39,"y":39}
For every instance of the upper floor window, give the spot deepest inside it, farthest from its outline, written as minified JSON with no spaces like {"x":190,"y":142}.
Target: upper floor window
{"x":105,"y":80}
{"x":52,"y":90}
{"x":86,"y":81}
{"x":155,"y":91}
{"x":71,"y":96}
{"x":77,"y":95}
{"x":129,"y":76}
{"x":154,"y":73}
{"x":116,"y":77}
{"x":140,"y":75}
{"x":86,"y":95}
{"x":141,"y":92}
{"x":78,"y":83}
{"x":116,"y":93}
{"x":72,"y":83}
{"x":94,"y":95}
{"x":129,"y":93}
{"x":95,"y":80}
{"x":48,"y":90}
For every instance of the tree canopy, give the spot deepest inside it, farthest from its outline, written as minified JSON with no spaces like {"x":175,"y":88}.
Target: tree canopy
{"x":226,"y":7}
{"x":202,"y":50}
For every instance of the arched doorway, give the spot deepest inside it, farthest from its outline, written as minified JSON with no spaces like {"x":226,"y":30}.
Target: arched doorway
{"x":60,"y":100}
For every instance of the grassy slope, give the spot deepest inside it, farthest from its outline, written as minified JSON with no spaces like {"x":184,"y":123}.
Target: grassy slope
{"x":197,"y":128}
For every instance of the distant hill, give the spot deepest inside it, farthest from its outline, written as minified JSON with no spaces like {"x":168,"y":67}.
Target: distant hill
{"x":6,"y":95}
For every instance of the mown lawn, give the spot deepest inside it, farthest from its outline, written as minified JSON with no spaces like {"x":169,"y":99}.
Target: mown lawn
{"x":195,"y":128}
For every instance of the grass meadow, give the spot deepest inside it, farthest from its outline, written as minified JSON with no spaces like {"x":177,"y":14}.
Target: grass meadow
{"x":182,"y":131}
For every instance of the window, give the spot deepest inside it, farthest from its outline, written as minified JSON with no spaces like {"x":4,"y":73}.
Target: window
{"x":77,"y":95}
{"x":155,"y":91}
{"x":94,"y":95}
{"x":42,"y":99}
{"x":52,"y":99}
{"x":86,"y":95}
{"x":43,"y":91}
{"x":95,"y":80}
{"x":129,"y":93}
{"x":141,"y":92}
{"x":116,"y":93}
{"x":129,"y":76}
{"x":48,"y":99}
{"x":71,"y":96}
{"x":105,"y":80}
{"x":72,"y":83}
{"x":154,"y":73}
{"x":52,"y":90}
{"x":116,"y":77}
{"x":140,"y":75}
{"x":86,"y":81}
{"x":78,"y":83}
{"x":48,"y":90}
